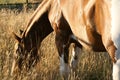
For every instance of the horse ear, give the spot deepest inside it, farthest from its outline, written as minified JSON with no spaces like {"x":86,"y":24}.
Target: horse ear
{"x":16,"y":37}
{"x":21,"y":31}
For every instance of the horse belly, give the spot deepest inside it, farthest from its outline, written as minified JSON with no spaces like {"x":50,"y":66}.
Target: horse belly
{"x":87,"y":36}
{"x":74,"y":16}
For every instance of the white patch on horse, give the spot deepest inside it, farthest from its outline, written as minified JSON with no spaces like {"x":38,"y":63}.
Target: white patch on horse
{"x":64,"y":68}
{"x":75,"y":53}
{"x":116,"y":70}
{"x":115,"y":32}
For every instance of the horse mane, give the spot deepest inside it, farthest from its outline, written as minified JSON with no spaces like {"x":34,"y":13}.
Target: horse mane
{"x":42,"y":8}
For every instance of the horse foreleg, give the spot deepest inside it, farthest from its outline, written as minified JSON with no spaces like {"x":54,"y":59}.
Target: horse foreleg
{"x":63,"y":50}
{"x":76,"y":51}
{"x":115,"y":56}
{"x":75,"y":56}
{"x":114,"y":52}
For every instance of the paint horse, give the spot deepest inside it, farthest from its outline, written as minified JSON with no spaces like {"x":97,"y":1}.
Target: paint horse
{"x":46,"y":19}
{"x":95,"y":22}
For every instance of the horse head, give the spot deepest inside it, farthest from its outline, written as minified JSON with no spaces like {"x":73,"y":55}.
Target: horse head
{"x":24,"y":56}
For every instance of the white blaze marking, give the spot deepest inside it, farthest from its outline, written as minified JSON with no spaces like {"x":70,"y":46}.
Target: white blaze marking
{"x":64,"y":68}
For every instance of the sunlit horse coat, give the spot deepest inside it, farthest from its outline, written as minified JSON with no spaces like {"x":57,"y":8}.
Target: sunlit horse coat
{"x":96,"y":22}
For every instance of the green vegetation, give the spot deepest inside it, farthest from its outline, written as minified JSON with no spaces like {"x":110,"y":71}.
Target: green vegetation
{"x":92,"y":66}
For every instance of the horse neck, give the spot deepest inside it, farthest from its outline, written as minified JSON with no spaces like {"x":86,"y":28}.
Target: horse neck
{"x":35,"y":33}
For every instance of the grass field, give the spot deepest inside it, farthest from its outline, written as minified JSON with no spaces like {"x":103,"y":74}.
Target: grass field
{"x":12,"y":1}
{"x":92,"y":66}
{"x":17,"y":1}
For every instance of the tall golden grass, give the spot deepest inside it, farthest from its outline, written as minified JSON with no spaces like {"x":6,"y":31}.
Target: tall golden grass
{"x":17,"y":1}
{"x":92,"y":66}
{"x":12,"y":1}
